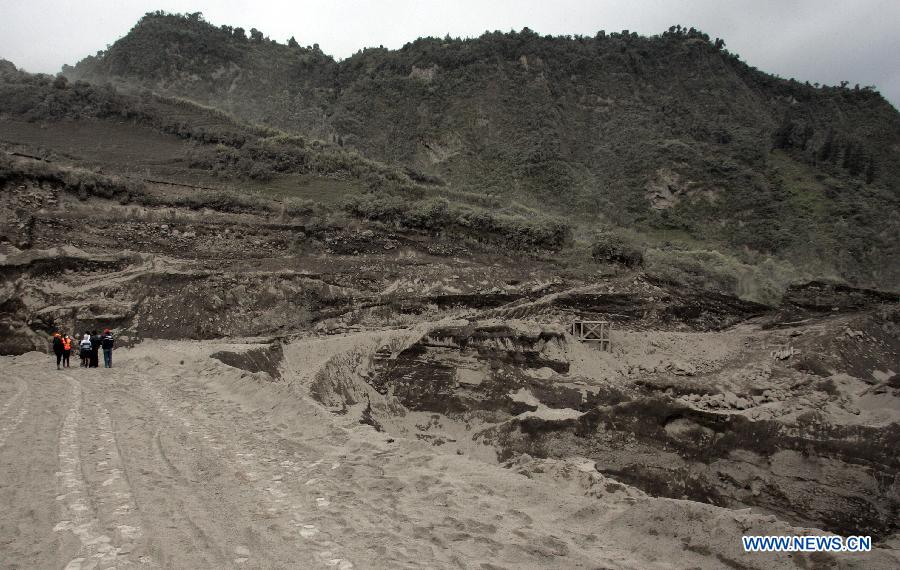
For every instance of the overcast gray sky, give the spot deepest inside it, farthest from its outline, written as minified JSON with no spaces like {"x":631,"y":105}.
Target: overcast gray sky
{"x":812,"y":40}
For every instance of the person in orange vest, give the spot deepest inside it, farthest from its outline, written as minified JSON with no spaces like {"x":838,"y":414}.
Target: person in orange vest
{"x":58,"y":348}
{"x":67,"y":349}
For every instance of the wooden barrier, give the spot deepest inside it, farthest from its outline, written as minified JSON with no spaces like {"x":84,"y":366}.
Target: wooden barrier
{"x":592,"y":331}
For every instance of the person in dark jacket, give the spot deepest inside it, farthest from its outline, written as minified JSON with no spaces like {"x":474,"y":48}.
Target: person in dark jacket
{"x":95,"y":350}
{"x":58,"y":348}
{"x":106,"y":342}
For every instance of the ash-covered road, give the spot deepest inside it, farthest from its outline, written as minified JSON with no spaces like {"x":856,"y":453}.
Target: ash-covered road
{"x":175,"y":460}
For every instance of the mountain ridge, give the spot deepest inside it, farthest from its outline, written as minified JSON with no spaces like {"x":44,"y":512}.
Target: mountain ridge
{"x":668,"y":136}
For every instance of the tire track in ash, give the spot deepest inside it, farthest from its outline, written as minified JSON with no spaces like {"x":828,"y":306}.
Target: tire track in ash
{"x":29,"y":462}
{"x":276,"y":500}
{"x":9,"y":423}
{"x":117,"y":504}
{"x":20,"y":390}
{"x":79,"y":516}
{"x":194,"y":515}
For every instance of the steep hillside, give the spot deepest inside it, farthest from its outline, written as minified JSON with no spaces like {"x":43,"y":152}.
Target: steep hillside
{"x":170,"y":205}
{"x":333,"y":296}
{"x":156,"y":140}
{"x":669,"y":135}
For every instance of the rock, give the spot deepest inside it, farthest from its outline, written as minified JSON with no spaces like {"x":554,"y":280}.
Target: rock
{"x":542,"y":373}
{"x":812,"y":365}
{"x":680,"y":368}
{"x":852,"y":333}
{"x":784,"y":353}
{"x":731,"y":399}
{"x":894,"y":381}
{"x":743,"y":519}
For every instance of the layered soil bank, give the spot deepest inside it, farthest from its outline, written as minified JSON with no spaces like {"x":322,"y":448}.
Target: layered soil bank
{"x":795,"y":419}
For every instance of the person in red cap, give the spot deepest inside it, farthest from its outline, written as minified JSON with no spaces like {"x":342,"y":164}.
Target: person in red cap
{"x":107,"y":341}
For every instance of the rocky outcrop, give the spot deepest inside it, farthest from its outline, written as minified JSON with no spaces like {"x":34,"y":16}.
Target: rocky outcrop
{"x":267,"y":359}
{"x":16,"y":333}
{"x":458,"y":368}
{"x":667,"y":188}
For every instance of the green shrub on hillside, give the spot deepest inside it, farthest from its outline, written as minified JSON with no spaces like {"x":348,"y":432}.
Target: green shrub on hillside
{"x":439,"y":214}
{"x":609,"y":247}
{"x":220,"y":201}
{"x":763,"y":282}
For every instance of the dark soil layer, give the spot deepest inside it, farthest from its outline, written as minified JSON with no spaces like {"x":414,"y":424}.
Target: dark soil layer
{"x":424,"y":376}
{"x":842,"y":479}
{"x":820,"y":296}
{"x":266,"y":360}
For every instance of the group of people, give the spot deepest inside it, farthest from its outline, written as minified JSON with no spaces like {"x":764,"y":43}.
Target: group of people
{"x":88,"y":348}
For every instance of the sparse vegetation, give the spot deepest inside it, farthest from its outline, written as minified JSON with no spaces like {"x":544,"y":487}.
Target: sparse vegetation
{"x":86,"y":184}
{"x":573,"y":126}
{"x":77,"y":181}
{"x":223,"y":145}
{"x":439,"y":214}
